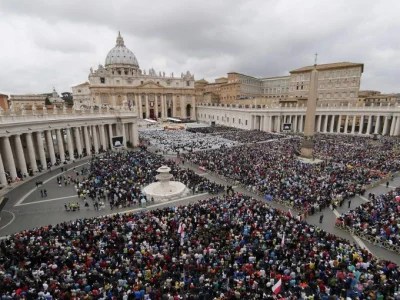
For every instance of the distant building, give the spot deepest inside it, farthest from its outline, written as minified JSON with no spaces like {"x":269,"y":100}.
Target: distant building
{"x":4,"y":101}
{"x":55,"y":98}
{"x":122,"y":83}
{"x":337,"y":83}
{"x":27,"y":100}
{"x":81,"y":94}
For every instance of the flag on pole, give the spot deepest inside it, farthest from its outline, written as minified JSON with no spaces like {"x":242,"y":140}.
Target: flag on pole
{"x":290,"y":214}
{"x":277,"y":287}
{"x":181,"y":229}
{"x":283,"y":241}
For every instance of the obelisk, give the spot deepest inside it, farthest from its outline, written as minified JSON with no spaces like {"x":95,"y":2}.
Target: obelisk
{"x":309,"y":127}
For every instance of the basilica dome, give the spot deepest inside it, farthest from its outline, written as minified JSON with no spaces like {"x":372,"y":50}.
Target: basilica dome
{"x":120,"y":55}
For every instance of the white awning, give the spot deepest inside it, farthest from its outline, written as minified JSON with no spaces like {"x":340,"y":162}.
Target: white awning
{"x":173,"y":119}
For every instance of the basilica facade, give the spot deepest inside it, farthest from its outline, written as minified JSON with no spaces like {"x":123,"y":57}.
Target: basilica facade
{"x":122,"y":83}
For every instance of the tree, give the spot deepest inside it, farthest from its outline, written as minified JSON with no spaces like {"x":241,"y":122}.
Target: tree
{"x":68,"y":98}
{"x":47,"y":101}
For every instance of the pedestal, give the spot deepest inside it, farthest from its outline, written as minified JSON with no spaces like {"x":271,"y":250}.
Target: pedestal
{"x":307,"y":147}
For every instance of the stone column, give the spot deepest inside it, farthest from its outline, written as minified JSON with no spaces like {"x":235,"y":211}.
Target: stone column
{"x":346,"y":124}
{"x":332,"y":127}
{"x":135,"y":98}
{"x":140,"y":106}
{"x":3,"y":177}
{"x":78,"y":140}
{"x":261,"y":123}
{"x":385,"y":126}
{"x":360,"y":129}
{"x":21,"y":163}
{"x":193,"y":108}
{"x":319,"y":117}
{"x":279,"y":124}
{"x":174,"y":104}
{"x":110,"y":134}
{"x":124,"y":133}
{"x":369,"y":124}
{"x":269,"y":124}
{"x":40,"y":145}
{"x":309,"y":128}
{"x":353,"y":125}
{"x":70,"y":144}
{"x":377,"y":124}
{"x":31,"y":151}
{"x":339,"y":123}
{"x":95,"y":140}
{"x":397,"y":127}
{"x":60,"y":144}
{"x":50,"y":146}
{"x":103,"y":137}
{"x":392,"y":126}
{"x":156,"y":104}
{"x":9,"y":158}
{"x":114,"y":101}
{"x":87,"y":140}
{"x":147,"y":107}
{"x":163,"y":100}
{"x":301,"y":123}
{"x":326,"y":124}
{"x":295,"y":124}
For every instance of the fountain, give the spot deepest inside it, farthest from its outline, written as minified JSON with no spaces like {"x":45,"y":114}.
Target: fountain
{"x":165,"y":189}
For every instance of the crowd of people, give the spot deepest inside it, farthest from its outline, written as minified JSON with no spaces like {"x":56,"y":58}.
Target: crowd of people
{"x":379,"y":218}
{"x":250,"y":136}
{"x":173,"y":141}
{"x":118,"y":178}
{"x":213,"y":129}
{"x":272,"y":169}
{"x":219,"y":248}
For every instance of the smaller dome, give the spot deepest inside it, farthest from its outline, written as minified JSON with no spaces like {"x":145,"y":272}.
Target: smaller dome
{"x":120,"y":55}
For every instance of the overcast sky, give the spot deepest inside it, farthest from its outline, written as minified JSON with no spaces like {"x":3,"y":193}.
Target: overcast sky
{"x":46,"y":43}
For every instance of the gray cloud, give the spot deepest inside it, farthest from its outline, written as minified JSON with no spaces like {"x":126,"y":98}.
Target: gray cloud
{"x":56,"y":42}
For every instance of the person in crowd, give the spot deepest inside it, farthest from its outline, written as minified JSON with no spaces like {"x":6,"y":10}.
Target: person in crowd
{"x":219,"y":248}
{"x":347,"y":164}
{"x":378,"y":218}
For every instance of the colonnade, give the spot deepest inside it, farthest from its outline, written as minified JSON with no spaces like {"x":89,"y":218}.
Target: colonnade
{"x":163,"y":105}
{"x":332,"y":123}
{"x":347,"y":120}
{"x":28,"y":152}
{"x":154,"y":105}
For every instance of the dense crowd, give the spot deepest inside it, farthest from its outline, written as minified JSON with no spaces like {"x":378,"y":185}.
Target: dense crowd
{"x":119,"y":178}
{"x":379,"y":218}
{"x":249,"y":136}
{"x":272,"y":169}
{"x":220,"y":248}
{"x":172,"y":141}
{"x":213,"y":129}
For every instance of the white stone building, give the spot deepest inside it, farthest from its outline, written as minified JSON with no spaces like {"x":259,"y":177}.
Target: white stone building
{"x":81,"y":95}
{"x":121,"y":82}
{"x":337,"y":82}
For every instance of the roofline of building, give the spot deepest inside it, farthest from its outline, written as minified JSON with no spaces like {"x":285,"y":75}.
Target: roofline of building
{"x":81,"y":84}
{"x":30,"y":95}
{"x":351,"y":65}
{"x":243,"y":75}
{"x":284,"y":76}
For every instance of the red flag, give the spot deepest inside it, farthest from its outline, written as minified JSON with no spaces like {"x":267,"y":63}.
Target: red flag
{"x":277,"y":287}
